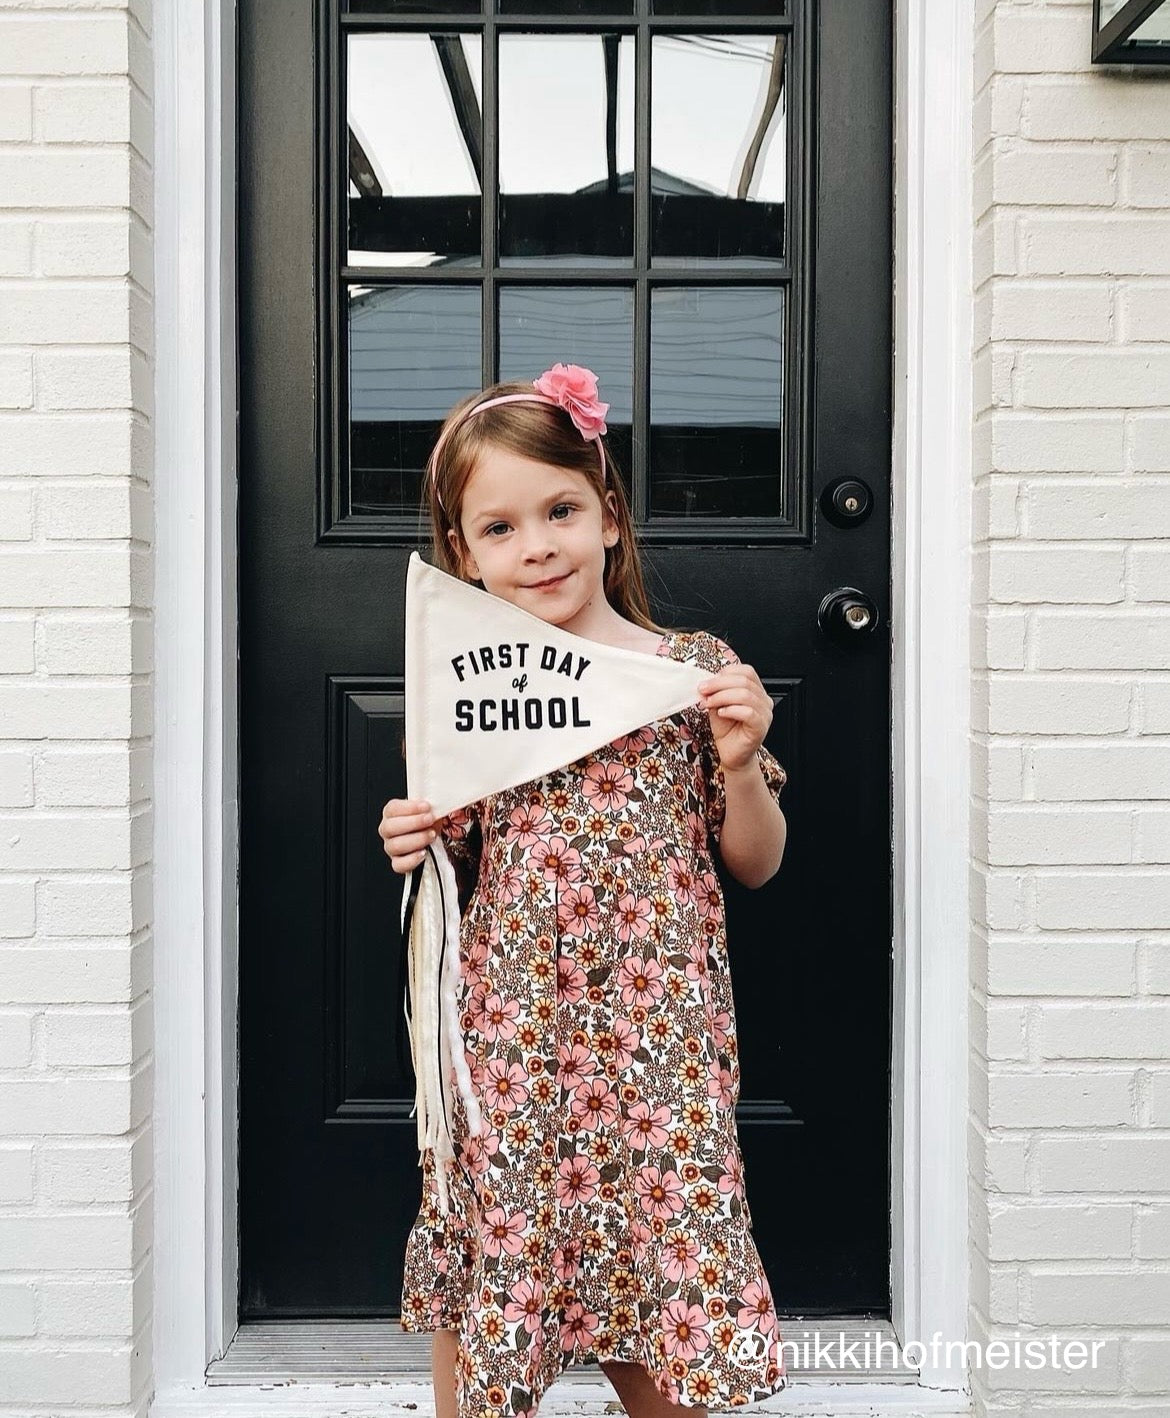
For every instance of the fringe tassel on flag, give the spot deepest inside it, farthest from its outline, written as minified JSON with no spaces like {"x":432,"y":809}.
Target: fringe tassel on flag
{"x":430,"y":932}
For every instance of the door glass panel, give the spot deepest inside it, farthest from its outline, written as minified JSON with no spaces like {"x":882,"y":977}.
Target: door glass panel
{"x":413,"y":351}
{"x":566,"y":149}
{"x":718,"y":140}
{"x":716,"y":408}
{"x":592,"y":326}
{"x":414,"y":149}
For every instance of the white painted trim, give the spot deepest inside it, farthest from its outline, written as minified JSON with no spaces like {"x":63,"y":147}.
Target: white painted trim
{"x":194,"y":1248}
{"x":930,"y":671}
{"x":195,"y":737}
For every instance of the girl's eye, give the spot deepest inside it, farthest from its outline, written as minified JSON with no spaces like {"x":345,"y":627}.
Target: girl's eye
{"x":566,"y":507}
{"x":495,"y":525}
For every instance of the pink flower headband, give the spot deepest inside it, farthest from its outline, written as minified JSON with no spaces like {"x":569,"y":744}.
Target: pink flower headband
{"x":569,"y":386}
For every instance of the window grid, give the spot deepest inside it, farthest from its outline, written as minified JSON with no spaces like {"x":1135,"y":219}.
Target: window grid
{"x":641,"y":276}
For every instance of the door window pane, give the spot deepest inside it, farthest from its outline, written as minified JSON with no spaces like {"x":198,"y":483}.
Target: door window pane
{"x":566,"y":148}
{"x":413,"y":351}
{"x":718,"y":138}
{"x":414,"y":149}
{"x":592,"y":326}
{"x":716,"y":386}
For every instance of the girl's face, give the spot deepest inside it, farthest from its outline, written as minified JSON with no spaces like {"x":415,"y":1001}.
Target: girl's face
{"x":535,"y":534}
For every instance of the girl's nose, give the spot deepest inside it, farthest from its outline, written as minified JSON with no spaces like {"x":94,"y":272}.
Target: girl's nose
{"x":538,"y":545}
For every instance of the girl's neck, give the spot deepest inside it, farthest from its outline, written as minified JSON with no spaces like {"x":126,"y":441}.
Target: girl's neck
{"x":597,"y":620}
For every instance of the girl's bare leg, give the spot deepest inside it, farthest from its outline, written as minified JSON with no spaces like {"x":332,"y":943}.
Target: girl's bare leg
{"x":639,"y":1394}
{"x":444,"y":1352}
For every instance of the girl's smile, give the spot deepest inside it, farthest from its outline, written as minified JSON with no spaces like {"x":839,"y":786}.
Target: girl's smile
{"x":537,"y":535}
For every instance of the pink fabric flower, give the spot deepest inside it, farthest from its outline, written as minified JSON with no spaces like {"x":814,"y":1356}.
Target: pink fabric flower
{"x":684,"y":1328}
{"x":575,"y":389}
{"x":577,"y":1181}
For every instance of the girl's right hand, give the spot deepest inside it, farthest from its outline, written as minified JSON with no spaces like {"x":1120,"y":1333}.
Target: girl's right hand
{"x":406,"y":829}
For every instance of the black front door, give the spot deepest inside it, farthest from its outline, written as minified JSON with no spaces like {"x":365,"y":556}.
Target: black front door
{"x":692,"y":198}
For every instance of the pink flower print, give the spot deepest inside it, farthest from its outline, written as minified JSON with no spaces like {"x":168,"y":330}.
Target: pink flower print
{"x":719,"y":1085}
{"x":578,"y":1327}
{"x":557,"y":860}
{"x":565,"y":1261}
{"x":635,"y":742}
{"x":709,"y":895}
{"x":505,"y":1084}
{"x":510,"y":883}
{"x":596,"y":1104}
{"x":661,"y":1193}
{"x":503,"y":1233}
{"x":634,"y":914}
{"x":680,"y":1256}
{"x":757,"y":1309}
{"x":527,"y":823}
{"x":617,"y":1043}
{"x":684,"y":1328}
{"x":696,"y":830}
{"x":577,"y":911}
{"x":720,"y":1024}
{"x":607,"y":785}
{"x":640,"y":981}
{"x":570,"y":980}
{"x":577,"y":1180}
{"x":526,"y":1304}
{"x":732,"y":1178}
{"x":681,"y":881}
{"x":643,"y":1127}
{"x":497,"y":1020}
{"x":478,"y":1152}
{"x":575,"y":1065}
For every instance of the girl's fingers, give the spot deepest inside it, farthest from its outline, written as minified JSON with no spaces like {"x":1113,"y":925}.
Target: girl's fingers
{"x":732,"y":694}
{"x":408,"y":863}
{"x":394,"y":823}
{"x":400,"y":842}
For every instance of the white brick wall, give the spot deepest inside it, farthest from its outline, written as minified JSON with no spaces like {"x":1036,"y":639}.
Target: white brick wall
{"x":1070,"y":981}
{"x":75,"y":595}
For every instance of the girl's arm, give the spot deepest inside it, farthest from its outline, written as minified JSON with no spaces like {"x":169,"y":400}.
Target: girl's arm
{"x":743,"y":809}
{"x":751,"y":843}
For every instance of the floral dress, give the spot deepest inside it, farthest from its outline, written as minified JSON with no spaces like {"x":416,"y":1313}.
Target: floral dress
{"x":604,"y":1210}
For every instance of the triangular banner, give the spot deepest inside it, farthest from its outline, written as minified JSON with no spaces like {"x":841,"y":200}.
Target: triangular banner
{"x":496,"y":696}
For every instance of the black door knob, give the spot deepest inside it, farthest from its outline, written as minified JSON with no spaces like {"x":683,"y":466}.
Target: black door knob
{"x":847,"y":615}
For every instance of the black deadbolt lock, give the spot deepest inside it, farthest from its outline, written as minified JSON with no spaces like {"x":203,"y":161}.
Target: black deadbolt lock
{"x":847,"y":615}
{"x":846,"y":502}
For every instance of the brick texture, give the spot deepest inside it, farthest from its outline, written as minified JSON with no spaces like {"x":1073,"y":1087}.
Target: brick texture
{"x":1069,"y":1178}
{"x":76,"y":119}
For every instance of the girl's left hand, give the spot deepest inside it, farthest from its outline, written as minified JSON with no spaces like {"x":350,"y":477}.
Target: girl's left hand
{"x":741,"y":713}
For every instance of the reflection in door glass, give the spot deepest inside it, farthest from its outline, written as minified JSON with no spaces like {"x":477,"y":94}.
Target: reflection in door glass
{"x":566,"y":148}
{"x":414,"y":149}
{"x":413,"y":351}
{"x":718,"y":142}
{"x":592,"y":326}
{"x":716,"y":407}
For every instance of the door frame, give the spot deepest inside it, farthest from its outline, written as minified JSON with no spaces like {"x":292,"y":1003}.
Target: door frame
{"x":196,"y":746}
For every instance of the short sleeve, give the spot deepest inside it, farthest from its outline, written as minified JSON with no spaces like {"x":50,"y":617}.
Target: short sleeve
{"x":715,"y":795}
{"x":461,"y":835}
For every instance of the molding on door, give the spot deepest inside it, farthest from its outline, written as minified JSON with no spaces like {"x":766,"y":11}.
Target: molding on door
{"x":930,"y":673}
{"x":195,"y":747}
{"x":195,"y":742}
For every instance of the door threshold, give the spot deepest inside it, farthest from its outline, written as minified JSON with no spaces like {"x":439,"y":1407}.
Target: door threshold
{"x":295,"y":1354}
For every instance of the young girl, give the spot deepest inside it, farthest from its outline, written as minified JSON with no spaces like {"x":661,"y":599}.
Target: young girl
{"x":602,"y":1208}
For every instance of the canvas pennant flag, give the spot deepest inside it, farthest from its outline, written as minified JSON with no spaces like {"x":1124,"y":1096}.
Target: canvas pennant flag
{"x":495,"y":697}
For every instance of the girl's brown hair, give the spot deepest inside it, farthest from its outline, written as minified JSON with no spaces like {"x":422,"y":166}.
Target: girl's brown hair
{"x":546,"y":433}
